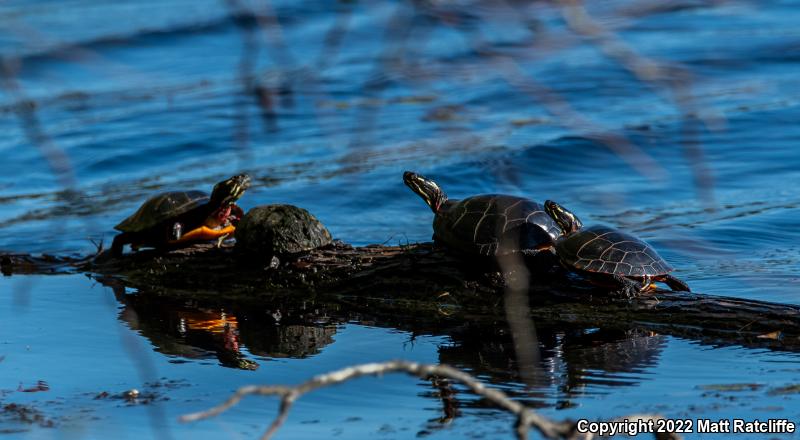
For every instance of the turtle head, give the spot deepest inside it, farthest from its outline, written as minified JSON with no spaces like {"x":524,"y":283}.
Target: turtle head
{"x":425,"y":188}
{"x":567,"y":221}
{"x":228,"y":191}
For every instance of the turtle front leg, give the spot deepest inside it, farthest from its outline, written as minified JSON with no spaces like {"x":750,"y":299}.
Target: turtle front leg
{"x":647,"y":284}
{"x":177,"y":231}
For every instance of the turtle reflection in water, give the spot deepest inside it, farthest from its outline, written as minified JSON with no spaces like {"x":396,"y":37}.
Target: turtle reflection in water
{"x":486,"y":225}
{"x":178,"y":218}
{"x":603,"y":252}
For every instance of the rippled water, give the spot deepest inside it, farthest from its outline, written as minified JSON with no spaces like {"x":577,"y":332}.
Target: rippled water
{"x":115,"y":101}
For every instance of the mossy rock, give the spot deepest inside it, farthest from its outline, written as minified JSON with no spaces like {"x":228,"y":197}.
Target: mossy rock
{"x":279,"y":230}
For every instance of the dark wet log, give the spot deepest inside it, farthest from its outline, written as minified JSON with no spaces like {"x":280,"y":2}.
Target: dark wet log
{"x":718,"y":320}
{"x":22,"y":264}
{"x":426,"y":282}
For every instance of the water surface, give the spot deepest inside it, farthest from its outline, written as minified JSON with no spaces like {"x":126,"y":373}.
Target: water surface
{"x":112,"y":102}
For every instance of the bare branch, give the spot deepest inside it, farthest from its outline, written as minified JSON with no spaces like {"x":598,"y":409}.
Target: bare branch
{"x":283,"y":414}
{"x":526,"y":417}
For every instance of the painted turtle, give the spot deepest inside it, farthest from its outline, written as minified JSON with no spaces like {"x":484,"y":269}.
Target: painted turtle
{"x":486,"y":225}
{"x":607,"y":252}
{"x":176,"y":218}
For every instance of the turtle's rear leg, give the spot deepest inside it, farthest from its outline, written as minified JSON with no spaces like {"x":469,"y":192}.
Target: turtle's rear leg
{"x":631,"y":288}
{"x":674,"y":283}
{"x":120,"y":240}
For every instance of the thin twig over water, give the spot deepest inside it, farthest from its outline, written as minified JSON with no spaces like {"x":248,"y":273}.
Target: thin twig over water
{"x":518,"y":315}
{"x":673,"y":79}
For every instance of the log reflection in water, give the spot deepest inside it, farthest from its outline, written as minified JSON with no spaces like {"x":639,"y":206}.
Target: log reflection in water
{"x":572,"y":358}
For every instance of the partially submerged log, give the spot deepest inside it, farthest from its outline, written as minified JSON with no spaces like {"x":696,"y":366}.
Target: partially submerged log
{"x":422,"y":280}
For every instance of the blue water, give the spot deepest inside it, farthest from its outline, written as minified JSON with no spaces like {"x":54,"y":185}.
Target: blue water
{"x":131,"y":98}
